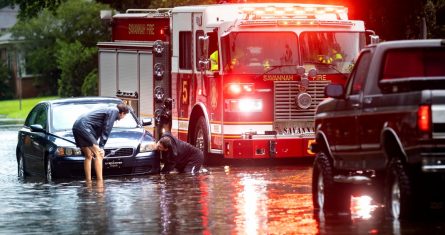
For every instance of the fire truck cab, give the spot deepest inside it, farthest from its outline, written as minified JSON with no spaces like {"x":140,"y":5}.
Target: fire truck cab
{"x":245,"y":79}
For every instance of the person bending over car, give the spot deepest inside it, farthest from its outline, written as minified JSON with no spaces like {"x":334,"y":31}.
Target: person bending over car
{"x":182,"y":156}
{"x":92,"y":126}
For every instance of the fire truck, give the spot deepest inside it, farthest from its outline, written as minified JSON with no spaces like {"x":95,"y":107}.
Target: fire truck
{"x":244,"y":79}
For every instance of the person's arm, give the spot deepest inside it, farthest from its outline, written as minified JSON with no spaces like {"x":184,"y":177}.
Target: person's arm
{"x":111,"y":117}
{"x":169,"y":163}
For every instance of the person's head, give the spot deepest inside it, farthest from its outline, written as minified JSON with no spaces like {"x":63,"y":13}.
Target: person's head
{"x":123,"y":110}
{"x":164,"y":144}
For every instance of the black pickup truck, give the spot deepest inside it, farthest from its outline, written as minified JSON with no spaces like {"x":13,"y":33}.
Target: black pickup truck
{"x":384,"y":130}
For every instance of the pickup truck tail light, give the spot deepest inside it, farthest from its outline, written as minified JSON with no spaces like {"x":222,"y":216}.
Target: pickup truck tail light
{"x":424,"y":118}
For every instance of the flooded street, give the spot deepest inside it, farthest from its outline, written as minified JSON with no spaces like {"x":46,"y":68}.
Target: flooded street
{"x":236,"y":199}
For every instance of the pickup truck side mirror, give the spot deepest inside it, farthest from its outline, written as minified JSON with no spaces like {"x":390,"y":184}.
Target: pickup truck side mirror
{"x":335,"y":91}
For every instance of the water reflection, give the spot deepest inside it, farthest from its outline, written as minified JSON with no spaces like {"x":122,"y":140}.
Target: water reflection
{"x":228,"y":200}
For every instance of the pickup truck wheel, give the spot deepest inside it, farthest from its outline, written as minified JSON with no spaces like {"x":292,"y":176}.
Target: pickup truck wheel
{"x":328,"y":196}
{"x":399,"y":197}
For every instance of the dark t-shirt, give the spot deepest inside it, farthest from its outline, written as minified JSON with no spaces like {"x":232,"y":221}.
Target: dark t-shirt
{"x":181,"y":153}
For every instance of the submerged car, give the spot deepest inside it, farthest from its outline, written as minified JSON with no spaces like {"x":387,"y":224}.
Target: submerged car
{"x":46,"y":144}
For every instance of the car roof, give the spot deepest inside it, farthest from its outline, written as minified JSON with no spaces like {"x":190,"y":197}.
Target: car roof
{"x":88,"y":99}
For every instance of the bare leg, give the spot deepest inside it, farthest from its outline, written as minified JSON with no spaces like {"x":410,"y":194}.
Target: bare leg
{"x":99,"y":154}
{"x":87,"y":163}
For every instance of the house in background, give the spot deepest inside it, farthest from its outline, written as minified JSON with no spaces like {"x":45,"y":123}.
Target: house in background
{"x":12,"y":57}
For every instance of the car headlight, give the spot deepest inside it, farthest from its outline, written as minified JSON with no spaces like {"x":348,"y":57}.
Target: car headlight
{"x":68,"y":151}
{"x":147,"y":146}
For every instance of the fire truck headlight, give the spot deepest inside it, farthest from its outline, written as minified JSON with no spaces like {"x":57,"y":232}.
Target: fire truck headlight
{"x":244,"y":105}
{"x":240,"y":88}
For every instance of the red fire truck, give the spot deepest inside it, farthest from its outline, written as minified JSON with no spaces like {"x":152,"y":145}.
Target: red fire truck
{"x":245,"y":79}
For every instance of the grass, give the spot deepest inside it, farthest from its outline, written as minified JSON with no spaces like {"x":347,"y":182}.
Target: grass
{"x":11,"y":108}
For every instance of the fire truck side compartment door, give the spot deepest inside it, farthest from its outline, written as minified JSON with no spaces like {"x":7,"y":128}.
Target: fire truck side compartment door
{"x":146,"y":84}
{"x":107,"y":74}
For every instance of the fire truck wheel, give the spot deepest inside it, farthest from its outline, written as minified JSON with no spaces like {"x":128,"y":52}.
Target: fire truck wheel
{"x":327,"y":195}
{"x":200,"y":138}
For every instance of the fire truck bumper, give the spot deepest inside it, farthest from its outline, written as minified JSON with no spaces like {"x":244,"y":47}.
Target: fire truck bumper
{"x":268,"y":148}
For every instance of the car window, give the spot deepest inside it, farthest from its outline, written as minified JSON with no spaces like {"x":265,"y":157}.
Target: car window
{"x":42,"y":116}
{"x":358,"y":76}
{"x":414,"y":62}
{"x":38,"y":115}
{"x":31,"y":116}
{"x":64,"y":115}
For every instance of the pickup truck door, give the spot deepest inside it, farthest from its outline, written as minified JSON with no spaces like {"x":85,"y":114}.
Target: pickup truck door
{"x":348,"y":146}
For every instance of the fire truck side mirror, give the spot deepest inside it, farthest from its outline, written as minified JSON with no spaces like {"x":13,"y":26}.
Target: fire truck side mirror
{"x":204,"y":64}
{"x":373,"y":38}
{"x":204,"y":46}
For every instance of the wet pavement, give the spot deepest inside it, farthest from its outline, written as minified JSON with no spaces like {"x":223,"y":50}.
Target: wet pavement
{"x":271,"y":198}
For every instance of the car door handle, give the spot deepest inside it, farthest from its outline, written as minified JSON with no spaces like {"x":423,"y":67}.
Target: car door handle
{"x":356,"y":105}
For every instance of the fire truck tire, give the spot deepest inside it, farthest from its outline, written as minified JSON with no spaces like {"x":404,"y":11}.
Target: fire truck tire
{"x":200,"y":138}
{"x":327,"y":195}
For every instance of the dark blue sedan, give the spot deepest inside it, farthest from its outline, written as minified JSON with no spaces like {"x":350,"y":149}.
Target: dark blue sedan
{"x":46,"y":144}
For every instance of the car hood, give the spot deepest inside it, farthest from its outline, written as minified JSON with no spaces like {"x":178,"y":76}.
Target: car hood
{"x":117,"y":138}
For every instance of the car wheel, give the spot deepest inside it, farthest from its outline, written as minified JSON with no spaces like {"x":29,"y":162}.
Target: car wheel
{"x":328,"y":196}
{"x":200,"y":138}
{"x":399,"y":193}
{"x":21,"y":167}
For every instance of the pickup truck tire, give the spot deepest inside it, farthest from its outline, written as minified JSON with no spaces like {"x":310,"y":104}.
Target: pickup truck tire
{"x":399,"y":192}
{"x":327,"y":195}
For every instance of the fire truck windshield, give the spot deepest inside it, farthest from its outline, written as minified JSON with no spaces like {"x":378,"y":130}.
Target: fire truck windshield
{"x":277,"y":52}
{"x":258,"y":52}
{"x":330,"y":52}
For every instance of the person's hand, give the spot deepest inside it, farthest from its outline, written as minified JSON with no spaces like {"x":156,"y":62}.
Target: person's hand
{"x":102,"y":152}
{"x":154,"y":146}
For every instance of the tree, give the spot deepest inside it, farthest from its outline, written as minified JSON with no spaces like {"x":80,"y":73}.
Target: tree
{"x":6,"y":91}
{"x":30,"y":9}
{"x":40,"y":36}
{"x":61,"y":44}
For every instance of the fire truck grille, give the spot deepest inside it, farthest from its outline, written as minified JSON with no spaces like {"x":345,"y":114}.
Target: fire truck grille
{"x":286,"y":108}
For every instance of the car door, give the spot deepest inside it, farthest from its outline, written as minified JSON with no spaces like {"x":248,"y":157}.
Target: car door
{"x":349,"y":109}
{"x":37,"y":141}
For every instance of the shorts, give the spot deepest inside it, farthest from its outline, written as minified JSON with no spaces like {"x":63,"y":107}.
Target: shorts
{"x":84,"y":138}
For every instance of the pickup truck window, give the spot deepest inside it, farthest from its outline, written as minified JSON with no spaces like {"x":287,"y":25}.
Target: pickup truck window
{"x":414,"y":62}
{"x":358,"y":75}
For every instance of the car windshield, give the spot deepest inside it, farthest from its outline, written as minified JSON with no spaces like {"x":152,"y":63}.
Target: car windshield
{"x":330,"y":52}
{"x":258,"y":52}
{"x":64,"y":115}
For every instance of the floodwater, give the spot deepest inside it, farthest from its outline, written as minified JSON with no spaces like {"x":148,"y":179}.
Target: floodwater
{"x":235,"y":199}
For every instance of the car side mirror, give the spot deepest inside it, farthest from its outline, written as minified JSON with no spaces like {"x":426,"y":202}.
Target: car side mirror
{"x":335,"y":91}
{"x":37,"y":128}
{"x":146,"y":121}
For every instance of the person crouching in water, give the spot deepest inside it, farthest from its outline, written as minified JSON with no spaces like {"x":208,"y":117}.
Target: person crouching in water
{"x":182,"y":156}
{"x":94,"y":125}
